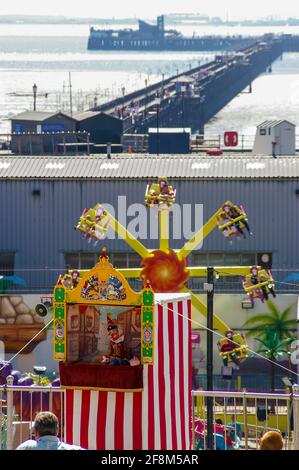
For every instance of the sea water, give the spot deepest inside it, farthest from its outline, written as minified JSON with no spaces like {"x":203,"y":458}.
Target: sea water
{"x":45,"y":54}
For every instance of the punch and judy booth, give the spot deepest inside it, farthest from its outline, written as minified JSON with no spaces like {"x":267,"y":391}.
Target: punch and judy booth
{"x":125,"y":361}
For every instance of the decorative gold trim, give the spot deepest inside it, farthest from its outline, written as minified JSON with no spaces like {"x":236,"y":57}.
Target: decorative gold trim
{"x":103,"y":270}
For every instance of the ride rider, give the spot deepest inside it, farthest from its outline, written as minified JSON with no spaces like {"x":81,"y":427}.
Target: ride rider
{"x":256,"y":278}
{"x":232,"y":213}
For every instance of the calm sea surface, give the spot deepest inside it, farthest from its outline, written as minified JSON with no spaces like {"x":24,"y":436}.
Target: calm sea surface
{"x":45,"y":54}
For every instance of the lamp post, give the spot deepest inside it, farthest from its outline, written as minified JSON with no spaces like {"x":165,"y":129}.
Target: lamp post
{"x":34,"y":88}
{"x":183,"y":90}
{"x":202,"y":115}
{"x":146,"y":97}
{"x":95,"y":101}
{"x":209,"y":288}
{"x":71,"y":93}
{"x":157,"y":103}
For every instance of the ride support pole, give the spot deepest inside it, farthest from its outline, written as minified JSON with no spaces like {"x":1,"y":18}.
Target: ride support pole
{"x":209,"y":287}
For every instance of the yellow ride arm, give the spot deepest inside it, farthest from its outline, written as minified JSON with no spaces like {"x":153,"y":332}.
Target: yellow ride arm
{"x":202,"y":233}
{"x":127,"y":236}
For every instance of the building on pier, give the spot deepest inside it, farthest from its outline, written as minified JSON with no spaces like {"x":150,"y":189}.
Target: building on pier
{"x":156,"y":37}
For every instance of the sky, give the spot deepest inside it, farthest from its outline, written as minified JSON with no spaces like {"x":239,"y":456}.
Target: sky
{"x":150,"y":9}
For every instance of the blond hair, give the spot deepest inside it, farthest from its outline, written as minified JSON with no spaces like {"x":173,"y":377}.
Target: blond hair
{"x":272,"y":440}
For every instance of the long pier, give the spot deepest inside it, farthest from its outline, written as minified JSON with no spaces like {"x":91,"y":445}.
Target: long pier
{"x":191,"y":98}
{"x":98,"y":41}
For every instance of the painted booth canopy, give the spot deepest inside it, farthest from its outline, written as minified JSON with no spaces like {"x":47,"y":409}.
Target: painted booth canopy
{"x":100,"y":321}
{"x":103,"y":284}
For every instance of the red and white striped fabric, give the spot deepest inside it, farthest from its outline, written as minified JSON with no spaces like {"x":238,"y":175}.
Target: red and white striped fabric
{"x":159,"y":417}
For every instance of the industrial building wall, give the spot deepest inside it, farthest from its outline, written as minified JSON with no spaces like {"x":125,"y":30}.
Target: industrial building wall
{"x":39,"y":228}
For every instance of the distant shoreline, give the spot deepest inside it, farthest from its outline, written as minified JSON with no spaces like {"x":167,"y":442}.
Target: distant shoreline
{"x":170,"y":20}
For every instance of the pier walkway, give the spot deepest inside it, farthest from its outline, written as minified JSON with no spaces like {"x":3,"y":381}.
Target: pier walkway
{"x":191,"y":98}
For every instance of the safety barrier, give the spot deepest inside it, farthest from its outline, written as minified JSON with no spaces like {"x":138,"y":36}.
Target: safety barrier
{"x":18,"y":408}
{"x":241,"y":418}
{"x":199,"y":143}
{"x":41,"y":281}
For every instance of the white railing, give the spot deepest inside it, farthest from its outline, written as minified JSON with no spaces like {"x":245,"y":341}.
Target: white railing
{"x":18,"y":408}
{"x":239,"y":419}
{"x":244,"y":416}
{"x":199,"y":142}
{"x":210,"y":139}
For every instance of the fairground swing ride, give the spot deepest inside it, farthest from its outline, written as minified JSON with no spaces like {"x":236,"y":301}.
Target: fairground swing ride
{"x":99,"y":322}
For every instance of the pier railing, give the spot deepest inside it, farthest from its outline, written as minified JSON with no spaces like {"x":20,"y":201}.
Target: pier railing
{"x":78,"y":144}
{"x":138,"y":143}
{"x":46,"y":143}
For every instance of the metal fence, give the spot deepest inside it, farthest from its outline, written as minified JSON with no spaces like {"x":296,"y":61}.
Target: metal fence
{"x":75,"y":143}
{"x":40,"y":281}
{"x":18,"y":408}
{"x":285,"y":282}
{"x":258,"y":382}
{"x":241,"y":418}
{"x":138,"y":143}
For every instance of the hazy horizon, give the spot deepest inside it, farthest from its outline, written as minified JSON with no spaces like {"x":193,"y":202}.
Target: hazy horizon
{"x":148,"y":17}
{"x":228,"y":9}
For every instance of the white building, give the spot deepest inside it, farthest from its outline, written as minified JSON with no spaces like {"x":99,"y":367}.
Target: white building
{"x":275,"y":138}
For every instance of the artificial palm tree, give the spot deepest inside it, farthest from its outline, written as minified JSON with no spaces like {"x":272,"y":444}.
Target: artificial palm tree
{"x":273,"y":348}
{"x":277,"y":320}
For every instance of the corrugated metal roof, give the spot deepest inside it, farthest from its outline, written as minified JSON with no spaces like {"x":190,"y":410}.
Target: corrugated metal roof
{"x":88,"y":114}
{"x":274,"y":123}
{"x":38,"y":115}
{"x":148,"y":166}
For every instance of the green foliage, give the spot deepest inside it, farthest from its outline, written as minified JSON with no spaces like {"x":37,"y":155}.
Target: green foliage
{"x":272,"y":331}
{"x":277,"y":320}
{"x":271,"y":346}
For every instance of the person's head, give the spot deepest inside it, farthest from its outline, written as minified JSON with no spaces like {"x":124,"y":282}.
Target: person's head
{"x":163,"y":183}
{"x":229,"y":334}
{"x":75,"y":275}
{"x":233,"y":418}
{"x":272,"y":440}
{"x":46,"y":424}
{"x":226,"y":208}
{"x":219,"y":421}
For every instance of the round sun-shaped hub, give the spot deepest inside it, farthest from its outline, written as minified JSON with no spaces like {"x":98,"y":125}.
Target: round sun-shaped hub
{"x":165,"y":271}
